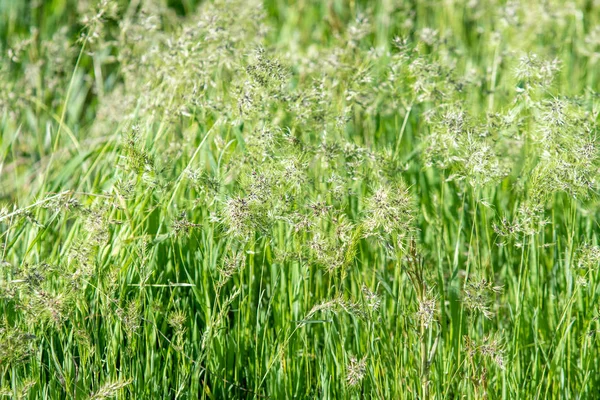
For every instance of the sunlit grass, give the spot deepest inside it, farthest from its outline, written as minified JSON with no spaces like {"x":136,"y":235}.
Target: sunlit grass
{"x":281,"y":199}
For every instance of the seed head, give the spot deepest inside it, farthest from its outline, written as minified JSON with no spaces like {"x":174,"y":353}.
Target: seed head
{"x":356,"y":370}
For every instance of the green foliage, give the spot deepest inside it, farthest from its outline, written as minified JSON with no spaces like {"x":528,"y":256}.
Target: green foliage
{"x":299,"y":199}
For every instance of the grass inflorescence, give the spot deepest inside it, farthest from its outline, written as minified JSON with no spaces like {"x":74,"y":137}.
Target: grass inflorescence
{"x":299,"y":199}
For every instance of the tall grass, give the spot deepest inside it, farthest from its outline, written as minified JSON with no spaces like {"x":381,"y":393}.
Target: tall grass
{"x":299,"y":199}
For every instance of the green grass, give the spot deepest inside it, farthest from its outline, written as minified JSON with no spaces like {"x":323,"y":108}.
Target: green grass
{"x":299,"y":199}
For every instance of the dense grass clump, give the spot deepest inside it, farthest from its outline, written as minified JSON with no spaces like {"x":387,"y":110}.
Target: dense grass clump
{"x":299,"y":199}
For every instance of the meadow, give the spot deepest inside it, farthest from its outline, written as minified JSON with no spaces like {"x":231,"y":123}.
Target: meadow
{"x":333,"y":199}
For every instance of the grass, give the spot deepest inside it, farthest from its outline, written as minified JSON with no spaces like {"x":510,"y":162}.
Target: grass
{"x":299,"y":199}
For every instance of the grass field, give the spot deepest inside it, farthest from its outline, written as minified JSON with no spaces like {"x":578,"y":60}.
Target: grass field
{"x":333,"y":199}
